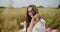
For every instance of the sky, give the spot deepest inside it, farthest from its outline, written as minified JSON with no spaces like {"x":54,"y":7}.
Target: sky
{"x":21,"y":3}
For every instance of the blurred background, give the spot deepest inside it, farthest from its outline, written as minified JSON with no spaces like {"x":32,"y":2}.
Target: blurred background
{"x":13,"y":13}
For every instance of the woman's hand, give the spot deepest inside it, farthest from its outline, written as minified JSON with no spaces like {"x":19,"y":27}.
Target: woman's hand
{"x":35,"y":19}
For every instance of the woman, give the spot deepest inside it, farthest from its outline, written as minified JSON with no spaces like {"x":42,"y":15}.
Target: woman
{"x":34,"y":23}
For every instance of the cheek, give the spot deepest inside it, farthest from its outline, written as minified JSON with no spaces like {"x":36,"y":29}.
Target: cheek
{"x":30,"y":14}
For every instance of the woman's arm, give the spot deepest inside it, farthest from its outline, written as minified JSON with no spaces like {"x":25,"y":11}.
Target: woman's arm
{"x":31,"y":26}
{"x":33,"y":22}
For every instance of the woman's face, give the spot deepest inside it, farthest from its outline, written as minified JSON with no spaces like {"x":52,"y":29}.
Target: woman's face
{"x":30,"y":12}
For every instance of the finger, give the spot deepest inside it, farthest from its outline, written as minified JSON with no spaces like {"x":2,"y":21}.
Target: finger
{"x":36,"y":15}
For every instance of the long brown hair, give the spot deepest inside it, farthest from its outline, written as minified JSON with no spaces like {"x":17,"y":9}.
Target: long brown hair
{"x":28,"y":17}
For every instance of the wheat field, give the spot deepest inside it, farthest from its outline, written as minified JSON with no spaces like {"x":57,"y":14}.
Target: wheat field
{"x":11,"y":19}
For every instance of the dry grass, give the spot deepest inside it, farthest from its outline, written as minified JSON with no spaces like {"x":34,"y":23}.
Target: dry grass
{"x":11,"y":18}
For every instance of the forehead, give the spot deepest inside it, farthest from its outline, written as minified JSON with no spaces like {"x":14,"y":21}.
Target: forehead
{"x":30,"y":8}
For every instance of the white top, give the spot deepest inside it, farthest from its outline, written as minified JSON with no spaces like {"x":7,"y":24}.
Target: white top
{"x":39,"y":26}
